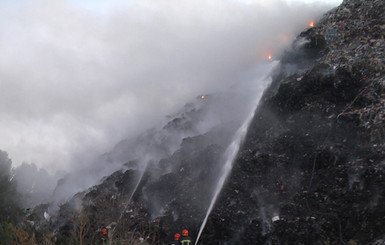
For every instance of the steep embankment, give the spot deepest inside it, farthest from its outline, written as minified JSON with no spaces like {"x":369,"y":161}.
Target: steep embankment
{"x":312,"y":170}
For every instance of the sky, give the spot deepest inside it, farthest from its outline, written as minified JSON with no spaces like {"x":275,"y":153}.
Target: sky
{"x":105,"y":6}
{"x":78,"y":76}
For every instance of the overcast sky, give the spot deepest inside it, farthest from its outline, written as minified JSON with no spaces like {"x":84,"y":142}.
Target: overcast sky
{"x":106,"y":6}
{"x":78,"y":76}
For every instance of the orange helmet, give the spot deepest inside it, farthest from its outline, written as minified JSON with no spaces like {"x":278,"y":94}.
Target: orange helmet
{"x":185,"y":232}
{"x":177,"y":236}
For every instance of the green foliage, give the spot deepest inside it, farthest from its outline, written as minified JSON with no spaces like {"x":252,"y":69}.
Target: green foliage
{"x":5,"y":164}
{"x":63,"y":240}
{"x":8,"y":210}
{"x":6,"y":233}
{"x":12,"y":228}
{"x":6,"y":187}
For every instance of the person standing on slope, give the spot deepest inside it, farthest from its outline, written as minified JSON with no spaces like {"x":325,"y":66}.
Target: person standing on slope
{"x":186,"y":240}
{"x":176,"y":239}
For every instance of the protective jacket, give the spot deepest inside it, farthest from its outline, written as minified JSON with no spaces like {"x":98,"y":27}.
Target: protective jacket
{"x":175,"y":242}
{"x":185,"y":240}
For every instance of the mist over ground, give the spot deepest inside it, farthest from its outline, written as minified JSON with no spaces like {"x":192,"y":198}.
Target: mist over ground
{"x":75,"y":82}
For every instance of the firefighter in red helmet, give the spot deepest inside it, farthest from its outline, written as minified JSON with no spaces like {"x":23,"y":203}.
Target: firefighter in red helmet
{"x":176,"y":239}
{"x":185,"y":240}
{"x":104,"y":232}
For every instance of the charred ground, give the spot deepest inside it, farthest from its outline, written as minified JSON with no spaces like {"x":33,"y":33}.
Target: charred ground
{"x":311,"y":170}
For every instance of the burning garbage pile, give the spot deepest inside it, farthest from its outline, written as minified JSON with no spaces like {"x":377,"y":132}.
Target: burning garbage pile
{"x":312,"y":168}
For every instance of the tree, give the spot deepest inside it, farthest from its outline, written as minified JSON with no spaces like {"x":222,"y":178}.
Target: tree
{"x":22,"y":237}
{"x":5,"y":184}
{"x":8,"y":211}
{"x":13,"y":228}
{"x":81,"y":227}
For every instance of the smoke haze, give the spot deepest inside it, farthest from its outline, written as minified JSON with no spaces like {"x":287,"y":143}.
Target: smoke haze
{"x":74,"y":82}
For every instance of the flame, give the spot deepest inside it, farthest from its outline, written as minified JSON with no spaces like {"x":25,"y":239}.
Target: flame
{"x":311,"y":24}
{"x":202,"y":96}
{"x":269,"y":57}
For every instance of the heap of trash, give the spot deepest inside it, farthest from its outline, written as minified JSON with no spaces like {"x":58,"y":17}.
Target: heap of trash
{"x":312,"y":169}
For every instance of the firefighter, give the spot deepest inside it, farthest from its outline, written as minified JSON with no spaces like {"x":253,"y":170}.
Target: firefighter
{"x":176,"y":239}
{"x":186,"y":240}
{"x":104,"y":232}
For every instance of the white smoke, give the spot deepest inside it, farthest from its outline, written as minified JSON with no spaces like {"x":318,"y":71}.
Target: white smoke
{"x":76,"y":82}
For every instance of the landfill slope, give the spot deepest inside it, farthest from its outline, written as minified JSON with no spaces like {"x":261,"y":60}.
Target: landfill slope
{"x":312,"y":169}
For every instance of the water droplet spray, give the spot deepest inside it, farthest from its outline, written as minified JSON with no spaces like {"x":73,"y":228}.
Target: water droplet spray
{"x":232,"y":150}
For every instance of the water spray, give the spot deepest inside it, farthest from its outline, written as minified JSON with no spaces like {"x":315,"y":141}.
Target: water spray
{"x":232,"y":150}
{"x":143,"y":170}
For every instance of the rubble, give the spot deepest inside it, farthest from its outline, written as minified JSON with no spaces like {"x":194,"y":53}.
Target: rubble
{"x":315,"y":151}
{"x":312,"y":168}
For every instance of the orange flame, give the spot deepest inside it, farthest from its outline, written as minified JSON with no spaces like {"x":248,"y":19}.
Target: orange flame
{"x":311,"y":24}
{"x":269,"y":57}
{"x":202,"y":96}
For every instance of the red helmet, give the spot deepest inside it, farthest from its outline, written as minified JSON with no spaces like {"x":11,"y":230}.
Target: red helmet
{"x":185,"y":232}
{"x":177,"y":236}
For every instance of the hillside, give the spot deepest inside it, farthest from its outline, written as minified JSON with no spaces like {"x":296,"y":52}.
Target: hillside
{"x":311,"y":170}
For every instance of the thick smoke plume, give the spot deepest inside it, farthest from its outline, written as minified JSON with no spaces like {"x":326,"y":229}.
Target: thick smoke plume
{"x":76,"y":82}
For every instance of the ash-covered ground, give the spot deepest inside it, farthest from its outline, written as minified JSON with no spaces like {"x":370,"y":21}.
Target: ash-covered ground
{"x":311,"y":170}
